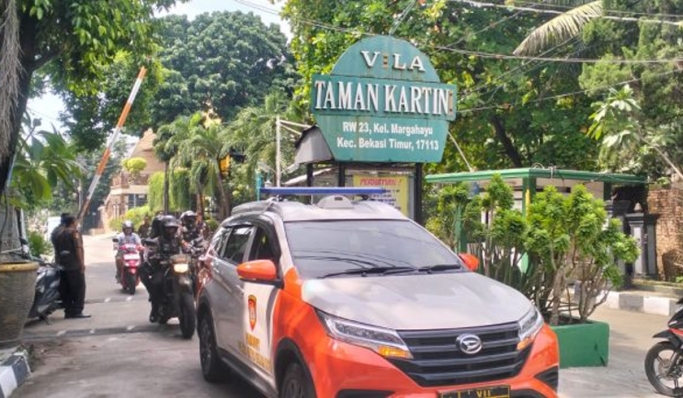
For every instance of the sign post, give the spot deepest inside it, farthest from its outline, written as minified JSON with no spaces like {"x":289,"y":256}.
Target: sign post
{"x":383,"y":102}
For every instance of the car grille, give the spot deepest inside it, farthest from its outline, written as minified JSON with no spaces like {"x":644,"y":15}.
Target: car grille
{"x":437,"y":360}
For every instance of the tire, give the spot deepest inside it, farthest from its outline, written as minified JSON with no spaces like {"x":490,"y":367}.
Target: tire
{"x":130,"y":283}
{"x":187,"y":315}
{"x":296,"y":383}
{"x":652,"y":365}
{"x":213,"y":369}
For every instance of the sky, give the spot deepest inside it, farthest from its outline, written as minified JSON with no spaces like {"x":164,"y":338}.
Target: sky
{"x":49,"y":105}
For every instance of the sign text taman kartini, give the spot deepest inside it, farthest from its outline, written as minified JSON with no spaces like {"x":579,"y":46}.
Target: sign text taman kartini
{"x":383,"y":102}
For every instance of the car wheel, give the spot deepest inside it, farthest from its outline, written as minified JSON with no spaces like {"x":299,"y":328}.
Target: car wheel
{"x":213,"y":369}
{"x":296,"y":384}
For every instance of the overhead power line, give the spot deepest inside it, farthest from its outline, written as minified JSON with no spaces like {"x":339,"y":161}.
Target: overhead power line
{"x":556,"y":12}
{"x":606,"y":10}
{"x":600,"y":88}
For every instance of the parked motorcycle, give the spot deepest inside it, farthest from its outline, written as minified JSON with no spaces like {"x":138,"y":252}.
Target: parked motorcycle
{"x":129,"y":277}
{"x":664,"y":361}
{"x":47,"y":297}
{"x":176,"y":296}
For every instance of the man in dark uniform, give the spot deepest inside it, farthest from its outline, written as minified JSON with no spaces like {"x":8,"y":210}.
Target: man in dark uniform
{"x":69,"y":254}
{"x":152,"y":272}
{"x":143,"y":229}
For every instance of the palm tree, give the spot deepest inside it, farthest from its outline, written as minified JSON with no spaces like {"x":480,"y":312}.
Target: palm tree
{"x":201,"y":146}
{"x":561,"y":28}
{"x":253,"y":131}
{"x":43,"y":160}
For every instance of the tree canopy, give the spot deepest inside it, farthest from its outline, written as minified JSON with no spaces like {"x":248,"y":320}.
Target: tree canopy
{"x":510,"y":113}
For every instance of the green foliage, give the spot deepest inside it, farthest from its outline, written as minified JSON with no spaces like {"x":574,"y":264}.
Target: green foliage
{"x":584,"y":245}
{"x":136,"y":215}
{"x":505,"y":115}
{"x":134,"y":165}
{"x":155,"y":192}
{"x":451,"y":200}
{"x":222,"y":61}
{"x":43,"y":160}
{"x":38,"y":245}
{"x":179,"y":190}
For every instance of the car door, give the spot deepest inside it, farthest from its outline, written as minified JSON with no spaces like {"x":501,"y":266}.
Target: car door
{"x":231,"y":301}
{"x":219,"y":289}
{"x":259,"y":301}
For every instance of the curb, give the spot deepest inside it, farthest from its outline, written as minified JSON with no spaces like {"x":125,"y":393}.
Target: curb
{"x":655,"y":305}
{"x":14,"y":372}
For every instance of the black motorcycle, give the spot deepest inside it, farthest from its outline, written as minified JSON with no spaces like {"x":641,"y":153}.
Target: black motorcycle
{"x":664,"y":361}
{"x":47,"y":297}
{"x":176,"y":299}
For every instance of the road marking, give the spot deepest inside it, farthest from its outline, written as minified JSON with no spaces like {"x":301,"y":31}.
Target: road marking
{"x":61,"y":333}
{"x":129,"y":298}
{"x":108,"y":299}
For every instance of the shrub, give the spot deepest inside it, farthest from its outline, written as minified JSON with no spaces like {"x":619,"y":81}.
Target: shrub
{"x":38,"y":245}
{"x":136,"y":215}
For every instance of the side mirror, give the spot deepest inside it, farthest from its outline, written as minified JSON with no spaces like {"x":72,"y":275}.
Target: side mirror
{"x":258,"y":271}
{"x":471,"y":262}
{"x":149,"y":242}
{"x":115,"y":240}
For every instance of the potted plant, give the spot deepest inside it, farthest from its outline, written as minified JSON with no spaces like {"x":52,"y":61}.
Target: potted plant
{"x":560,"y":238}
{"x":584,"y":245}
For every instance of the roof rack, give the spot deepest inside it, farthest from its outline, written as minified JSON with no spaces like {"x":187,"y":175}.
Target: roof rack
{"x":307,"y":191}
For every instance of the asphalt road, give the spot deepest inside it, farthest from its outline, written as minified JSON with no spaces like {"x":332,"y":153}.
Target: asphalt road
{"x":117,"y":352}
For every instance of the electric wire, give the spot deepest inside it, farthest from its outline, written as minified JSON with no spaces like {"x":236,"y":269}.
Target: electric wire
{"x":610,"y":10}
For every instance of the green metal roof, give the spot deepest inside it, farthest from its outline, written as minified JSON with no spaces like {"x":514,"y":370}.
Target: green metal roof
{"x":590,"y":176}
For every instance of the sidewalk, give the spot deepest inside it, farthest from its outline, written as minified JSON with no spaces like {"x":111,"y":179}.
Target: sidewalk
{"x":630,"y":338}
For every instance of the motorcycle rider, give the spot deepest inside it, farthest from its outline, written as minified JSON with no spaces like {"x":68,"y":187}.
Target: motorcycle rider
{"x":167,"y":244}
{"x":125,"y":237}
{"x":190,"y":230}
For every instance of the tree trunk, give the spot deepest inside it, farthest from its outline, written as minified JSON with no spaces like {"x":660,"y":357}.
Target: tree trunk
{"x":224,"y":200}
{"x":166,"y":184}
{"x":504,"y":139}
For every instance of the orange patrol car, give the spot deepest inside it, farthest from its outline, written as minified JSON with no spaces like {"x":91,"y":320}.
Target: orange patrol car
{"x":345,"y":299}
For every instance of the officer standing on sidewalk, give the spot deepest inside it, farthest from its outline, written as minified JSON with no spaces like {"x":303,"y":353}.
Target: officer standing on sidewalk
{"x":69,"y":254}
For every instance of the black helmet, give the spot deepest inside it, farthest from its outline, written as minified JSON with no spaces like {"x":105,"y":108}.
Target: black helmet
{"x":170,"y":222}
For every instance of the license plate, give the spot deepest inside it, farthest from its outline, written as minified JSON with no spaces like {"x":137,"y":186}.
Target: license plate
{"x":131,"y":256}
{"x":486,"y":392}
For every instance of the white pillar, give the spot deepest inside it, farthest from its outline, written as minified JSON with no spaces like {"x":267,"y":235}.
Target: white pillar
{"x":277,"y":152}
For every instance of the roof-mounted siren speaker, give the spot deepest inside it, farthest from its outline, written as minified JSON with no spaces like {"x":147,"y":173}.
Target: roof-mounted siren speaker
{"x":335,"y":202}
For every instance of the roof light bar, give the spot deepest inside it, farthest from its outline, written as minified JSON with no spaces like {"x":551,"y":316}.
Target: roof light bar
{"x":305,"y":191}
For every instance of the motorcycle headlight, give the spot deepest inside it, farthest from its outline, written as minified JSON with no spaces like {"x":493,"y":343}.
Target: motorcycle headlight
{"x":385,"y":342}
{"x":181,"y":268}
{"x":529,"y":327}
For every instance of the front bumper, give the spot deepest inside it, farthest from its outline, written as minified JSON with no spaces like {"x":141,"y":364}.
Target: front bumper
{"x":344,"y":370}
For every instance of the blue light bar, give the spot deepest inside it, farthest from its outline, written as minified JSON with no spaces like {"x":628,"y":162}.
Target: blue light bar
{"x":305,"y":191}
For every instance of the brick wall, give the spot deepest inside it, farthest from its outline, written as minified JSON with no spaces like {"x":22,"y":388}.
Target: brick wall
{"x":668,"y":203}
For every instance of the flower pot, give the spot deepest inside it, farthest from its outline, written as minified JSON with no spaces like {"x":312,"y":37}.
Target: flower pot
{"x":17,"y":290}
{"x":583,"y":344}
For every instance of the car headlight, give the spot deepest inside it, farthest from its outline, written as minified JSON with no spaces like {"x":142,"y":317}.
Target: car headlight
{"x":181,"y":268}
{"x":529,"y":327}
{"x":385,"y":342}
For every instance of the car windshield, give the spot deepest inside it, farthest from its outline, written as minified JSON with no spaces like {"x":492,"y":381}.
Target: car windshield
{"x":322,"y":248}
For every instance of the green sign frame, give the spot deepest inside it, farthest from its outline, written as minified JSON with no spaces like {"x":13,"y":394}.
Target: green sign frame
{"x":383,"y":102}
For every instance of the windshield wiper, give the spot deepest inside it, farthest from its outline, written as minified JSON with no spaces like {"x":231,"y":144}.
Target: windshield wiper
{"x":373,"y":270}
{"x":439,"y":267}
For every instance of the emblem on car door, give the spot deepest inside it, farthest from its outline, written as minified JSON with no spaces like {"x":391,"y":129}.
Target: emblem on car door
{"x":469,"y":343}
{"x":252,"y":311}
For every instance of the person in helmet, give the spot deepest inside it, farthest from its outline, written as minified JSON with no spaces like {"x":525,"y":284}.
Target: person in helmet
{"x":126,"y":236}
{"x":167,"y":243}
{"x":190,"y":229}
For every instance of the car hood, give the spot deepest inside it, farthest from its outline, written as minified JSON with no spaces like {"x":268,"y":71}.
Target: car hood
{"x":418,"y":302}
